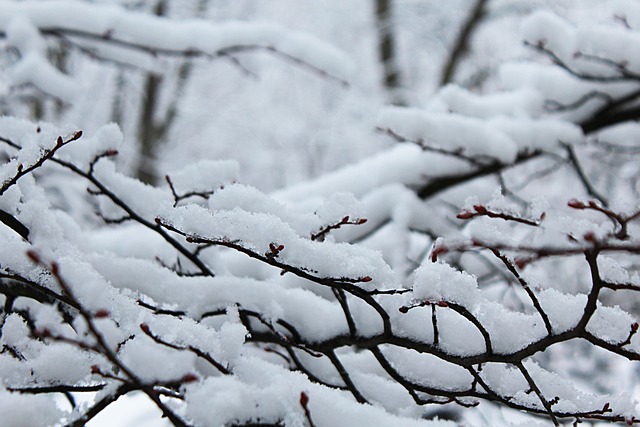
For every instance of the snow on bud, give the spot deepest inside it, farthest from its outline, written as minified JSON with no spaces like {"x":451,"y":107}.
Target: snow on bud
{"x":443,"y":304}
{"x":480,"y":209}
{"x":365,"y":279}
{"x":77,"y":135}
{"x":437,"y":251}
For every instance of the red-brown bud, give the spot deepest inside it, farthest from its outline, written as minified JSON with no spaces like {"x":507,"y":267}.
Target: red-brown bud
{"x":34,"y":256}
{"x":465,"y":214}
{"x":304,"y":399}
{"x":480,"y":209}
{"x":576,"y":204}
{"x":42,"y":333}
{"x":521,"y":262}
{"x":438,"y":250}
{"x":102,"y":313}
{"x":189,"y":378}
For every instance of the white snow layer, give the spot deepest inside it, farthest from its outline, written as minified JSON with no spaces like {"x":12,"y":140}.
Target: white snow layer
{"x":24,"y":21}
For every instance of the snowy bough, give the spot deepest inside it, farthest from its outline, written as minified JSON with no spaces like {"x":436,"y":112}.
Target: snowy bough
{"x":316,"y":307}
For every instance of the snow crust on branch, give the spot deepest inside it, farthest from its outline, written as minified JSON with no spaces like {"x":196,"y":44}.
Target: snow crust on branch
{"x":26,"y":23}
{"x":239,"y":307}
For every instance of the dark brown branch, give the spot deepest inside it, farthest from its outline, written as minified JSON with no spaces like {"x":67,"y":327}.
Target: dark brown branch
{"x":322,"y":233}
{"x":11,"y":222}
{"x":536,"y":389}
{"x":532,"y":296}
{"x":105,"y":350}
{"x":185,"y":53}
{"x":586,"y":182}
{"x":476,"y":160}
{"x":206,"y":356}
{"x":345,"y":377}
{"x":100,"y":406}
{"x":437,"y":185}
{"x":102,"y":189}
{"x":480,"y":210}
{"x":47,"y":154}
{"x":461,"y":45}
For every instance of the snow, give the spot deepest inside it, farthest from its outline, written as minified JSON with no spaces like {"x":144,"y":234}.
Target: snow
{"x":154,"y":363}
{"x":610,"y":324}
{"x":623,"y":134}
{"x":613,"y":272}
{"x":405,"y":164}
{"x":125,"y":276}
{"x":564,"y":311}
{"x":33,"y":67}
{"x":22,"y":21}
{"x":146,"y":201}
{"x":270,"y":393}
{"x":21,"y":409}
{"x":298,"y":306}
{"x":257,"y":231}
{"x":250,"y":199}
{"x":204,"y":176}
{"x":472,"y":137}
{"x":524,"y":103}
{"x":440,"y":282}
{"x":108,"y":138}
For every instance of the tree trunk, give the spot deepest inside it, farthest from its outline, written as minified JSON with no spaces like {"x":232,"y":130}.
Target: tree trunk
{"x":387,"y":51}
